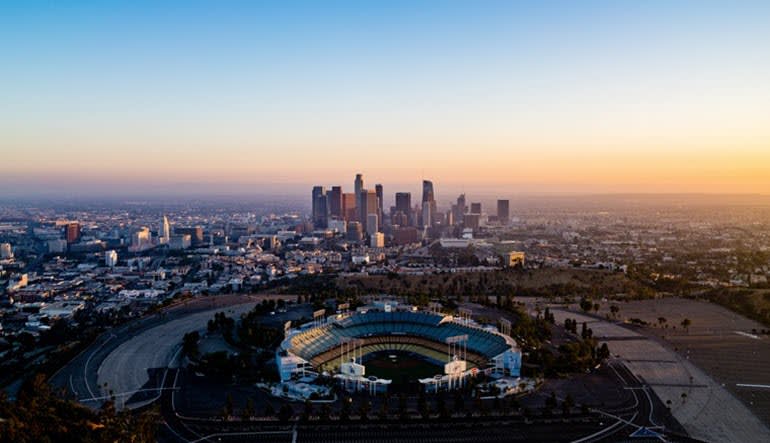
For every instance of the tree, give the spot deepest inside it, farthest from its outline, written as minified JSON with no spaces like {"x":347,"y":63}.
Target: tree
{"x":26,"y":339}
{"x":596,"y":307}
{"x":308,"y":412}
{"x":585,"y":304}
{"x":285,"y":413}
{"x":661,"y":321}
{"x":603,"y":353}
{"x":422,"y":406}
{"x":441,"y":405}
{"x":39,"y":415}
{"x":326,"y":412}
{"x":686,"y":324}
{"x":567,"y":404}
{"x":345,"y":410}
{"x":614,"y":309}
{"x":382,"y":414}
{"x":459,"y":401}
{"x":363,"y":410}
{"x":227,"y":411}
{"x":248,"y":411}
{"x":402,"y":410}
{"x":550,"y":402}
{"x":190,"y":344}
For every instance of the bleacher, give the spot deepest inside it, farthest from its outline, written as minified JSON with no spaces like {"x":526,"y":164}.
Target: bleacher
{"x":382,"y":328}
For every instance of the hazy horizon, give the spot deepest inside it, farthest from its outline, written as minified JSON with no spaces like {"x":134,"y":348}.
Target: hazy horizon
{"x":553,"y":97}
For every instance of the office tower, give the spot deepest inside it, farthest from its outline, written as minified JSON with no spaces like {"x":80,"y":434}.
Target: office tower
{"x":355,"y":231}
{"x":399,"y":218}
{"x":475,"y":208}
{"x":164,"y":233}
{"x":368,"y":201}
{"x":503,"y":212}
{"x":405,"y":236}
{"x":181,"y":241}
{"x":6,"y":252}
{"x":372,"y":224}
{"x":449,"y":218}
{"x":459,"y":209}
{"x":427,"y":191}
{"x":110,"y":259}
{"x":196,"y":233}
{"x":141,"y":238}
{"x":57,"y":246}
{"x":461,"y":203}
{"x":471,"y":220}
{"x":403,"y":209}
{"x":336,"y":225}
{"x":429,"y":201}
{"x":377,"y":240}
{"x":335,"y":202}
{"x":426,"y":215}
{"x":404,"y":202}
{"x":358,"y":187}
{"x":73,"y":232}
{"x":320,"y":207}
{"x":378,"y":191}
{"x":349,"y":206}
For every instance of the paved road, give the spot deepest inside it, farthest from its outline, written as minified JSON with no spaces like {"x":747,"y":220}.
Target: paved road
{"x":79,"y":378}
{"x":139,"y":362}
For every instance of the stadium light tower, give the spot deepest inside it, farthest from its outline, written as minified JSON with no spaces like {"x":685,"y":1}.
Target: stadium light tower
{"x":465,"y":315}
{"x":505,"y":326}
{"x":455,"y":368}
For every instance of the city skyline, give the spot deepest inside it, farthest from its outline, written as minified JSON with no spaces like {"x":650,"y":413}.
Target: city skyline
{"x":660,"y":97}
{"x":369,"y":221}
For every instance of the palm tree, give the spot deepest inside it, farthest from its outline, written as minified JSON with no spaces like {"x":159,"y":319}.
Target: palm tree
{"x":228,"y":409}
{"x":308,"y":411}
{"x":248,"y":411}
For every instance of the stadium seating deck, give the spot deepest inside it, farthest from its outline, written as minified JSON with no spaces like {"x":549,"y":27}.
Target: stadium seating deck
{"x":381,"y":328}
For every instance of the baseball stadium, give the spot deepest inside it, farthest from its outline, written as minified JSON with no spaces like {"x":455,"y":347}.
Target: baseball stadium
{"x":376,"y":350}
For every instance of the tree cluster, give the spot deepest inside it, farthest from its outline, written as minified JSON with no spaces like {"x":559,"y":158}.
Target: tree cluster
{"x":40,"y":416}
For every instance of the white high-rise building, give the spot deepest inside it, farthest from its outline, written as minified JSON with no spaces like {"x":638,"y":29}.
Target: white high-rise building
{"x":110,"y":259}
{"x":164,"y":233}
{"x":141,"y":239}
{"x":6,"y":252}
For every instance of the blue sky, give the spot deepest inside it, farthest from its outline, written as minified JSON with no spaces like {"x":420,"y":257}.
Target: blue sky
{"x":148,"y":93}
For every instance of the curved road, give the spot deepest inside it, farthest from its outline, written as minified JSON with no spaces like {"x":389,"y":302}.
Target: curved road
{"x":124,"y":357}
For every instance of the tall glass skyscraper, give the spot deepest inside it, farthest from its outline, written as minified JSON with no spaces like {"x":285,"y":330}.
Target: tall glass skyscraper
{"x":429,"y":202}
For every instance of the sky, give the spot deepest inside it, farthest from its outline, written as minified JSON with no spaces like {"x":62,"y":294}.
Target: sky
{"x":196,"y":97}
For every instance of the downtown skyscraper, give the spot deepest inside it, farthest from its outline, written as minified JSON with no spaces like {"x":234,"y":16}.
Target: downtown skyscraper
{"x":428,"y":203}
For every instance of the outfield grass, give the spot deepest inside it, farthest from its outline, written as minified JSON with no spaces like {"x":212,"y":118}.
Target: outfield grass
{"x":403,"y":368}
